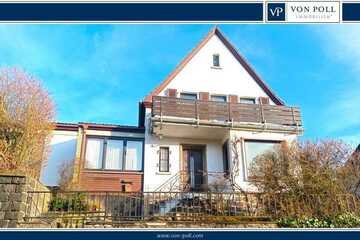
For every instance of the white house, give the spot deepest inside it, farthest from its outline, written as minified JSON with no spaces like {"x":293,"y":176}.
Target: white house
{"x":193,"y":118}
{"x":199,"y":129}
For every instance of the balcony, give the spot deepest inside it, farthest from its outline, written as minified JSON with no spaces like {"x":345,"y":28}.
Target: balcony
{"x":180,"y":112}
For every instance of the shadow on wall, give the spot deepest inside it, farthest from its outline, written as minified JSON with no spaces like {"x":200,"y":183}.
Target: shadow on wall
{"x":63,"y":149}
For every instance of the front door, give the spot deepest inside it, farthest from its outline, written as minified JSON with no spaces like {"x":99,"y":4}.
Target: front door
{"x":194,"y":168}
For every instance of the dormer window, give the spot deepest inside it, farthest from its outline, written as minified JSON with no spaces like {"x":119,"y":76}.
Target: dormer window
{"x":216,"y":60}
{"x":247,"y":100}
{"x":218,"y":98}
{"x":188,"y":96}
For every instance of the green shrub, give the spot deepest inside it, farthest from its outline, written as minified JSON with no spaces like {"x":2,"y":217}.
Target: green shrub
{"x":75,"y":202}
{"x":305,"y":222}
{"x":345,"y":220}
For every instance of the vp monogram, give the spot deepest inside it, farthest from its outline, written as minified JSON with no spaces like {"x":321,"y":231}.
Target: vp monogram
{"x":276,"y":11}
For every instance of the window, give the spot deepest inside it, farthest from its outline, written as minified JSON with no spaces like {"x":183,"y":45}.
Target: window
{"x":189,"y":96}
{"x":254,"y":149}
{"x":225,"y":149}
{"x":216,"y":60}
{"x":247,"y":100}
{"x":94,"y":153}
{"x":133,"y":155}
{"x":114,"y":154}
{"x":164,"y":159}
{"x":218,"y":98}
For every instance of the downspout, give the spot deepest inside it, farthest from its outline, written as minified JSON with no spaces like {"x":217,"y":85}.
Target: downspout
{"x":79,"y":155}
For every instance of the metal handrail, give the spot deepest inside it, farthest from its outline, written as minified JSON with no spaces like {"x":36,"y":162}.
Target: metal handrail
{"x":181,"y":178}
{"x":116,"y":207}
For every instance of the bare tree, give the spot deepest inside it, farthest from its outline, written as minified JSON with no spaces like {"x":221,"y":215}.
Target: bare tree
{"x":349,"y":174}
{"x":26,"y":116}
{"x":66,"y":173}
{"x":308,"y":178}
{"x":303,"y":167}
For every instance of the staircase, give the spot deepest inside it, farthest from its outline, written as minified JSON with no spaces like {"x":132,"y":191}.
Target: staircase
{"x":207,"y":207}
{"x":179,"y":203}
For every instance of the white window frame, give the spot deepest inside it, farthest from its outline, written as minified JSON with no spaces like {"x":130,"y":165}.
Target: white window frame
{"x":244,"y":154}
{"x":213,"y":56}
{"x":105,"y":158}
{"x":124,"y":151}
{"x":126,"y":163}
{"x":99,"y":161}
{"x":159,"y":168}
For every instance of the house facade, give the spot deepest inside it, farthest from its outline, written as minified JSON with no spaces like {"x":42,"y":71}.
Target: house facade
{"x":199,"y":130}
{"x":104,"y":157}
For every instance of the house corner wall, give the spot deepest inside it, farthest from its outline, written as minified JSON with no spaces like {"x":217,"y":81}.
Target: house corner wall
{"x":63,"y":146}
{"x":237,"y":152}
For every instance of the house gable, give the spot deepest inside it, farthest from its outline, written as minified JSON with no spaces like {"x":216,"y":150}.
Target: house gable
{"x":197,"y":74}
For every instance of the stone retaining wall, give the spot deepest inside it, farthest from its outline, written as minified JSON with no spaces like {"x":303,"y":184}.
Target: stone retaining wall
{"x":13,"y":198}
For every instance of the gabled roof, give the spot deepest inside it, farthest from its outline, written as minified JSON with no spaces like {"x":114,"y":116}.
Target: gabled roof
{"x":236,"y":54}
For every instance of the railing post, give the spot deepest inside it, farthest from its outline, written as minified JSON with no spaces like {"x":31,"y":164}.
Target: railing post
{"x":106,"y":205}
{"x":28,"y":206}
{"x":143,"y":205}
{"x":229,"y":111}
{"x":160,"y":106}
{"x":196,"y":111}
{"x":293,"y":116}
{"x":261,"y":112}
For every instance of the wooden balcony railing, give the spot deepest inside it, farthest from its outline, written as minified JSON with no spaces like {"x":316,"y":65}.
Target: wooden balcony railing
{"x":225,"y":112}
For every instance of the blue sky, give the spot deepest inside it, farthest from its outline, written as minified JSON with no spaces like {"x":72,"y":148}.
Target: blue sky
{"x":99,"y":73}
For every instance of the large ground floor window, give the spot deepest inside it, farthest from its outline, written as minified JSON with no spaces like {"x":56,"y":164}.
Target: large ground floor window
{"x":256,"y":148}
{"x":114,"y":154}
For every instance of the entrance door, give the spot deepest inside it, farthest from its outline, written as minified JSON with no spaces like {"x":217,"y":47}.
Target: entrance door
{"x":194,"y":167}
